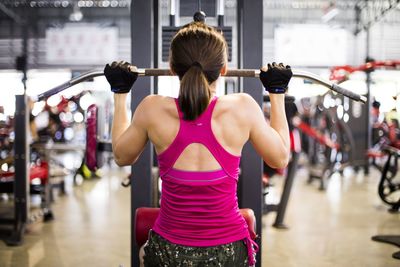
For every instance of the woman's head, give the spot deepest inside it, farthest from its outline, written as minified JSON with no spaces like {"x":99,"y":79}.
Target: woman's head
{"x":198,"y":54}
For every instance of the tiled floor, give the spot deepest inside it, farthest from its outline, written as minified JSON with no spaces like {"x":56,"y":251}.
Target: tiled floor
{"x":331,"y":228}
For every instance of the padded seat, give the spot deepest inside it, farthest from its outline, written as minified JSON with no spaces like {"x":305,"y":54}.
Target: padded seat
{"x":146,"y":217}
{"x":36,"y":172}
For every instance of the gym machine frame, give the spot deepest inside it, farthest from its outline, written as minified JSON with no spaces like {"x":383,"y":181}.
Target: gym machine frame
{"x":21,"y":147}
{"x":21,"y":175}
{"x":145,"y":53}
{"x":386,"y":187}
{"x":295,"y":150}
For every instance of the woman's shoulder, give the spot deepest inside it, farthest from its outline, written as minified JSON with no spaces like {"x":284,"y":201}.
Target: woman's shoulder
{"x":235,"y":101}
{"x":156,"y":106}
{"x":238,"y":97}
{"x":156,"y":102}
{"x":152,"y":99}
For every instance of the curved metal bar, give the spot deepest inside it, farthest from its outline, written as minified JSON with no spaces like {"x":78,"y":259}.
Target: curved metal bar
{"x":230,"y":73}
{"x":332,"y":86}
{"x":81,"y":78}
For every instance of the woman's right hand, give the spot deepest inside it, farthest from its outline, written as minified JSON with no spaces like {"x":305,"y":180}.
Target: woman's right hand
{"x":275,"y":78}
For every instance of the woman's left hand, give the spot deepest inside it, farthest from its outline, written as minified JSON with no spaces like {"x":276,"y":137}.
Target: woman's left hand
{"x":120,"y":77}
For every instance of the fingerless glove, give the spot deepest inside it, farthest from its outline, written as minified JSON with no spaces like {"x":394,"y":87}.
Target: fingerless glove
{"x":120,"y":78}
{"x":276,"y":79}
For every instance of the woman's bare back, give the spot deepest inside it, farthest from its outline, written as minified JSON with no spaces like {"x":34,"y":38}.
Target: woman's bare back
{"x":228,"y":126}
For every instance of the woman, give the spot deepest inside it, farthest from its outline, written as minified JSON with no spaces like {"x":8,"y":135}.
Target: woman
{"x":198,"y":139}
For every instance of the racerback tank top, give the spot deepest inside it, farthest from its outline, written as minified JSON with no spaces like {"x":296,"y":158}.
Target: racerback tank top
{"x":200,"y":208}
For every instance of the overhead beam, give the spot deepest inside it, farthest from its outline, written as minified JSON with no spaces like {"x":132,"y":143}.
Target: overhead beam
{"x":370,"y":12}
{"x":11,"y":14}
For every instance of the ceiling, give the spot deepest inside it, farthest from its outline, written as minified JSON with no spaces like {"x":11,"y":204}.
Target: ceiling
{"x":40,"y":15}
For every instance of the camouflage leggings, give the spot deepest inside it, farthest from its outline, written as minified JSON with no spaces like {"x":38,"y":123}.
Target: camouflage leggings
{"x":160,"y":252}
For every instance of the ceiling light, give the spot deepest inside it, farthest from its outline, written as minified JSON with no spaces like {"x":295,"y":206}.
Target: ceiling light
{"x":330,"y":12}
{"x":76,"y":14}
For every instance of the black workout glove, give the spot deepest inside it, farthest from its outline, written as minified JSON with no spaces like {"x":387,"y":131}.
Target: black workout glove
{"x":276,"y":78}
{"x":120,"y":78}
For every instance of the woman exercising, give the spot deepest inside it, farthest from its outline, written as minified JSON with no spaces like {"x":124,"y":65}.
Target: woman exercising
{"x":198,"y":138}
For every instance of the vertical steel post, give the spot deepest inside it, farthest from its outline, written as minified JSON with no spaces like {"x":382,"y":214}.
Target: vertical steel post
{"x":156,"y":40}
{"x":142,"y":55}
{"x":287,"y":188}
{"x":172,"y":12}
{"x":367,"y":108}
{"x":21,"y":148}
{"x":220,"y":12}
{"x":21,"y":162}
{"x":250,"y":38}
{"x":25,"y":55}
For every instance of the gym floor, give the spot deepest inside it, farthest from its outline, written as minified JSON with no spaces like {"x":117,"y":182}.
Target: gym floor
{"x":327,"y":228}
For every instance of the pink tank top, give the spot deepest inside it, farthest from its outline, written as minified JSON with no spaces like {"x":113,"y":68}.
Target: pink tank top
{"x":201,"y":208}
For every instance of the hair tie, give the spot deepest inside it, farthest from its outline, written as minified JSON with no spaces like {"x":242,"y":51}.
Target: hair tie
{"x":197,"y":64}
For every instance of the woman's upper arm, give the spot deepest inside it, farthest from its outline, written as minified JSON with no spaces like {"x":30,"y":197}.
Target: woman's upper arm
{"x":132,"y":142}
{"x":264,"y":138}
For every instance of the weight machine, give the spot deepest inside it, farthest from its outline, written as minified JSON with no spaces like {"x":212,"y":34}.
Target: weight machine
{"x":144,"y":16}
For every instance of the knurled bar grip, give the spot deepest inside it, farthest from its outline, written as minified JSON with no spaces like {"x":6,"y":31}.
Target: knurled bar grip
{"x":229,"y":73}
{"x":349,"y":94}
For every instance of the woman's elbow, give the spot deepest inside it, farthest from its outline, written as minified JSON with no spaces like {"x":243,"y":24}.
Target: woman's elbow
{"x":279,"y":161}
{"x":119,"y":161}
{"x":280,"y":164}
{"x":122,"y":159}
{"x":285,"y":157}
{"x":284,"y":162}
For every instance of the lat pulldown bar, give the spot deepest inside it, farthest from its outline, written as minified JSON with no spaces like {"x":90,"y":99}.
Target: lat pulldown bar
{"x":230,"y":73}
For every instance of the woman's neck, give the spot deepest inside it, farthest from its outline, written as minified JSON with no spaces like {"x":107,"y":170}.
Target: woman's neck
{"x":213,"y":89}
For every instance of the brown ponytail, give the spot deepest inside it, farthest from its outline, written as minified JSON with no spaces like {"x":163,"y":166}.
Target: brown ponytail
{"x":197,"y":55}
{"x":194,"y":94}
